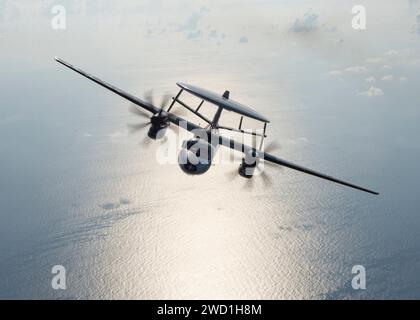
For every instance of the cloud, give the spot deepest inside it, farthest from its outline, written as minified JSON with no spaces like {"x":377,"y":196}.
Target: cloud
{"x":308,"y":23}
{"x":370,"y":79}
{"x":190,"y":26}
{"x":356,"y":69}
{"x":374,"y":60}
{"x":415,"y":28}
{"x":403,"y":78}
{"x":391,"y":53}
{"x":331,"y":29}
{"x":192,"y":22}
{"x":388,"y":77}
{"x":194,"y":35}
{"x":243,"y":39}
{"x":335,"y":73}
{"x":401,"y":53}
{"x":349,"y":70}
{"x":213,"y":34}
{"x":396,"y":57}
{"x":372,"y":92}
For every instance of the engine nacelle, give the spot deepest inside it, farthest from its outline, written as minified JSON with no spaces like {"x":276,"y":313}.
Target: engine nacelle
{"x":249,"y":164}
{"x":196,"y":156}
{"x":159,"y":124}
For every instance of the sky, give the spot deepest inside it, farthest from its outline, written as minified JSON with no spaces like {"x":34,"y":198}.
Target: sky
{"x":377,"y":59}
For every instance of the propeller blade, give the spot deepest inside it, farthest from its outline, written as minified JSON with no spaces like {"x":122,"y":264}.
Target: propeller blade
{"x":137,"y":127}
{"x":165,"y":99}
{"x":146,"y":141}
{"x":148,"y":96}
{"x":133,"y":109}
{"x":273,"y":165}
{"x":232,"y":174}
{"x":249,"y":184}
{"x":266,"y":179}
{"x":272,"y":146}
{"x":181,"y":112}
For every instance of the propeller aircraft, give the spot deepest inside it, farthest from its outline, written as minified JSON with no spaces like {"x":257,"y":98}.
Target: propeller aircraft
{"x":197,"y":153}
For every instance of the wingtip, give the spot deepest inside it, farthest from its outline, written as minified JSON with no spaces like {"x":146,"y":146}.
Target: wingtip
{"x":58,"y":59}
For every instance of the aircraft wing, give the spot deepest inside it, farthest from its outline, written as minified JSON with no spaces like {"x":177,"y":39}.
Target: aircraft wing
{"x":273,"y":159}
{"x":137,"y":101}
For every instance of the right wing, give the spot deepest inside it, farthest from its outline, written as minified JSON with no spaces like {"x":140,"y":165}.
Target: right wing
{"x":270,"y":158}
{"x":144,"y":104}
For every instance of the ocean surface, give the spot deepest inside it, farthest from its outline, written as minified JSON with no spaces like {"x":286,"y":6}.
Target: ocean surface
{"x":78,"y":189}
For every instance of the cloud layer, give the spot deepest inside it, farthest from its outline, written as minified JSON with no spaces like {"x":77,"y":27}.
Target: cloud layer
{"x":372,"y":92}
{"x":307,"y":23}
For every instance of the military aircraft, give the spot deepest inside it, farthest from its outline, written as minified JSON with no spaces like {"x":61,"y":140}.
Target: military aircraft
{"x":197,"y":153}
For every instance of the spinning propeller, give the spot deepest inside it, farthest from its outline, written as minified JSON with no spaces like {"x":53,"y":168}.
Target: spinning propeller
{"x":158,"y":122}
{"x":259,"y":170}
